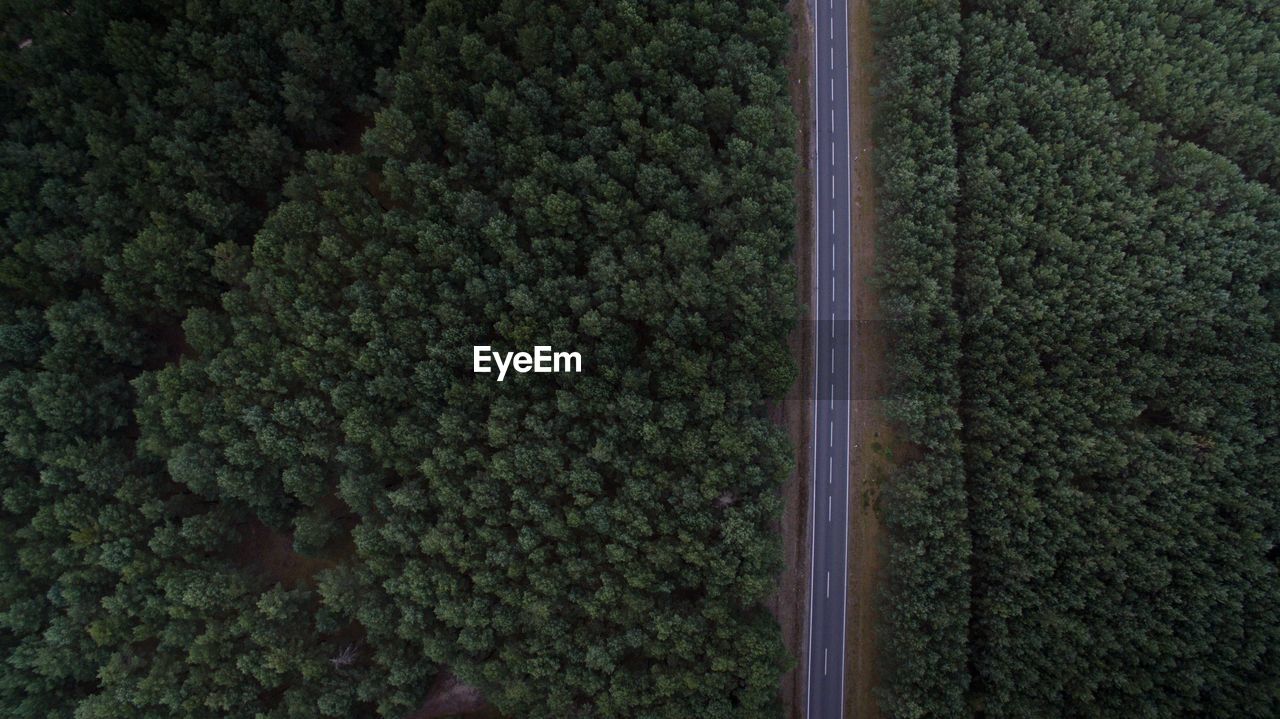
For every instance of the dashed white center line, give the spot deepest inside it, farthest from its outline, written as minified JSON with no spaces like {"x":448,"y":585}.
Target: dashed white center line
{"x":820,"y":683}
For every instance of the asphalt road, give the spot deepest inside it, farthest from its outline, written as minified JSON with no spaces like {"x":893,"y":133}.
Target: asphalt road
{"x":829,"y":491}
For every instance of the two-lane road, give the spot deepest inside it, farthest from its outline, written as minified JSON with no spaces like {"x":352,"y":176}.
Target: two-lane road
{"x":829,"y":489}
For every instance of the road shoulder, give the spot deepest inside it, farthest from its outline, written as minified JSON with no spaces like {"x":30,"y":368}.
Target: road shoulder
{"x":789,"y":605}
{"x":872,"y":442}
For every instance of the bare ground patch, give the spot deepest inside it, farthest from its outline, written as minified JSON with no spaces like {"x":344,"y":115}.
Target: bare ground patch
{"x":271,"y":554}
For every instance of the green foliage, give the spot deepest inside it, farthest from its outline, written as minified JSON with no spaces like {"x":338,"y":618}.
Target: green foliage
{"x":134,"y":139}
{"x":1116,"y":361}
{"x":248,"y":471}
{"x":1139,"y":325}
{"x":926,"y":602}
{"x":1209,"y":73}
{"x":557,"y":541}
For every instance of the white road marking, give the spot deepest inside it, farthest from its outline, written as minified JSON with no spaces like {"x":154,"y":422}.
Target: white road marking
{"x":833,"y":153}
{"x":831,"y":433}
{"x":848,"y":359}
{"x":837,"y":636}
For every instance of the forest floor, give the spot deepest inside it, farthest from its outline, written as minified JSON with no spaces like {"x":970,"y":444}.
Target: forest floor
{"x":789,"y":603}
{"x":271,"y":554}
{"x":873,"y":443}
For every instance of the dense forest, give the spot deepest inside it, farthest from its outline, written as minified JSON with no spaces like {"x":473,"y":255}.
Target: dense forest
{"x":1082,"y":229}
{"x":246,"y":247}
